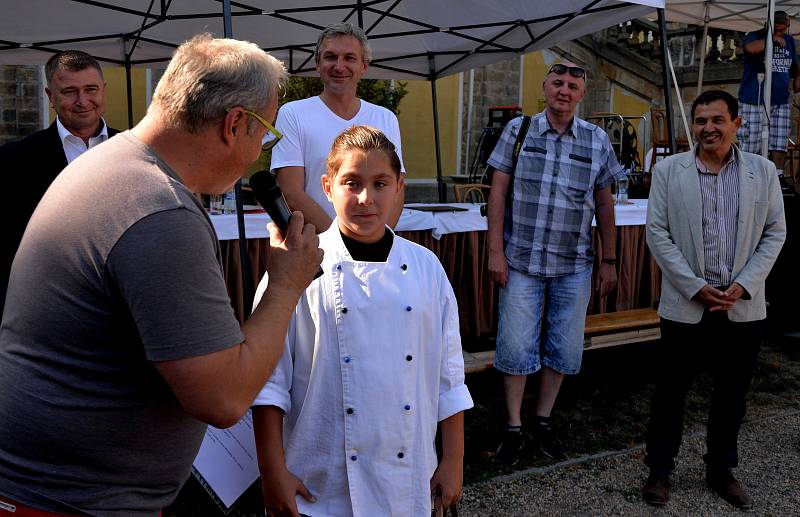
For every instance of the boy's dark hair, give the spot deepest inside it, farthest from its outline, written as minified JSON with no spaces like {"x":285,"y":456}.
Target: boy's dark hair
{"x":364,"y":139}
{"x":72,"y":61}
{"x":710,"y":96}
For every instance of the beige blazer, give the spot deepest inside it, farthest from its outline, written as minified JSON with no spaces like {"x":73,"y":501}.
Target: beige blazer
{"x":675,"y":235}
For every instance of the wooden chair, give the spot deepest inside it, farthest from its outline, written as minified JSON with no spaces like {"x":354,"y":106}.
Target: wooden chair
{"x":660,"y":136}
{"x":471,"y":192}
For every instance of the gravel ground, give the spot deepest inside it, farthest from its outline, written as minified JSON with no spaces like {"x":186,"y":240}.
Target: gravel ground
{"x":609,"y":483}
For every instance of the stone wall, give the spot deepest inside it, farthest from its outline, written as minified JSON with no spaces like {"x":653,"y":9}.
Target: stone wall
{"x":494,"y":85}
{"x":20,"y":102}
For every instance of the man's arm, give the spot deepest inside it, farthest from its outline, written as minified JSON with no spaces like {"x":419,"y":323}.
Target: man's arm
{"x":292,"y":183}
{"x":758,"y":266}
{"x":757,"y":43}
{"x":279,"y":486}
{"x":606,"y":225}
{"x":449,"y":476}
{"x":218,"y":388}
{"x":495,"y":213}
{"x":669,"y":257}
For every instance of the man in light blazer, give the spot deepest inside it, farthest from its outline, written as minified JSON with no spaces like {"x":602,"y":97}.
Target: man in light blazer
{"x":715,"y":225}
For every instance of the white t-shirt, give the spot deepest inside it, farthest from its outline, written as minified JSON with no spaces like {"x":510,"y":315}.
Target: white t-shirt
{"x":309,"y":128}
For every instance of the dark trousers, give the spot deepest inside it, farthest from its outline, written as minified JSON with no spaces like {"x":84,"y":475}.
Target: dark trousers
{"x":728,"y":350}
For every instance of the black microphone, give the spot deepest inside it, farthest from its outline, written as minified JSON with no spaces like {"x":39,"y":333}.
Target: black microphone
{"x":269,"y":195}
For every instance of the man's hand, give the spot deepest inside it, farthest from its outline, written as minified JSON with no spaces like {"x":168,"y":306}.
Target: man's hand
{"x":779,"y":40}
{"x":448,"y":480}
{"x":607,"y":278}
{"x":734,"y":292}
{"x":279,"y":491}
{"x":294,"y":258}
{"x":498,"y":268}
{"x":718,"y":300}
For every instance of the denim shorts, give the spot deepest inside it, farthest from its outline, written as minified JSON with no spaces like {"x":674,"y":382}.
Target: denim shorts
{"x":541,"y":322}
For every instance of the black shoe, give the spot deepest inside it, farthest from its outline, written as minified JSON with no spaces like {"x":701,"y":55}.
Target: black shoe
{"x":725,"y":485}
{"x":656,"y":490}
{"x":547,"y":443}
{"x":508,"y":451}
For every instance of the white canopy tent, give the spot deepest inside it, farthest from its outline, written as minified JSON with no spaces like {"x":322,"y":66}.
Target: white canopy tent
{"x":404,"y":34}
{"x":738,"y":15}
{"x":410,"y":39}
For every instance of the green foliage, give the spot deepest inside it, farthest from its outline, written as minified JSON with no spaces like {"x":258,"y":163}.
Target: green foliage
{"x":377,"y":91}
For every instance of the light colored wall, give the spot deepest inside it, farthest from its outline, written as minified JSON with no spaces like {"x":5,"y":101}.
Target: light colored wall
{"x":534,"y":68}
{"x":416,"y":127}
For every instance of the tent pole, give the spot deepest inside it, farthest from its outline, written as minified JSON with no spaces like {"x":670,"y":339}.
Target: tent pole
{"x":662,"y":27}
{"x":678,"y":96}
{"x":703,"y":43}
{"x":766,"y":113}
{"x":128,"y":87}
{"x":248,"y":288}
{"x":437,"y":143}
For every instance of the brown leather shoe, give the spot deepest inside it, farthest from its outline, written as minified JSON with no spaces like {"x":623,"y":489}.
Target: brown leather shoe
{"x":726,"y":486}
{"x":656,"y":490}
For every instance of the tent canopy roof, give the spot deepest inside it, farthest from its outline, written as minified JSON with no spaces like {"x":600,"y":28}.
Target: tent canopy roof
{"x":738,"y":15}
{"x":410,"y":39}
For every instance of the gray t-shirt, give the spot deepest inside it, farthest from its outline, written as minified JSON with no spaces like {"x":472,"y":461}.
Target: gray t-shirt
{"x":119,"y":267}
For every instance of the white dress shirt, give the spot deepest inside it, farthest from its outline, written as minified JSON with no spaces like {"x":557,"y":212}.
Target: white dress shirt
{"x":372,"y":363}
{"x":74,"y":146}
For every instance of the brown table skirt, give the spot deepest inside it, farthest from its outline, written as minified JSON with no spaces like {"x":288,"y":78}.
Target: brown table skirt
{"x":464,"y":258}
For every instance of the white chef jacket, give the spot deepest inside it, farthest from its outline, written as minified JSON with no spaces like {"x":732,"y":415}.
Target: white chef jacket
{"x":372,"y":363}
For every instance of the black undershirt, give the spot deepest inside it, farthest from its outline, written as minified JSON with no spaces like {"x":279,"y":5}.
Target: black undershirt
{"x":377,"y":251}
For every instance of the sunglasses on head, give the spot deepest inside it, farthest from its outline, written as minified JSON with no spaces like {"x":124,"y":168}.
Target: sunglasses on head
{"x":574,"y":71}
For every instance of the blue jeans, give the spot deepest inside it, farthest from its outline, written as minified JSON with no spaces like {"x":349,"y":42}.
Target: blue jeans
{"x":541,"y":322}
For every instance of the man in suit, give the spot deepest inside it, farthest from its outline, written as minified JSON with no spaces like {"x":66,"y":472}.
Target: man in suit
{"x":77,"y":93}
{"x":715,"y":225}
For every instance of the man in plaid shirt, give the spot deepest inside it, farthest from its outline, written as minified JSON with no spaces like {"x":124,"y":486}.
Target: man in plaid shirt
{"x":540,"y":249}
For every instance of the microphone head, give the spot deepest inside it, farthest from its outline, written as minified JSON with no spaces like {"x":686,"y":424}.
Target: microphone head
{"x":268,"y":193}
{"x":262,"y":182}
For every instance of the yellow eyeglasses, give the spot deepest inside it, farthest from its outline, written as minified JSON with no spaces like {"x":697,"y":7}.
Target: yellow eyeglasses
{"x":271,"y":137}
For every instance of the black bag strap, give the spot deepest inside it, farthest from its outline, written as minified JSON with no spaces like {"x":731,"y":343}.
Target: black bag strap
{"x":521,"y":134}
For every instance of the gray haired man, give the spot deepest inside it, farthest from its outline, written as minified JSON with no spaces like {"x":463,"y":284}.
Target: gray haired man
{"x":119,"y":343}
{"x":342,"y":57}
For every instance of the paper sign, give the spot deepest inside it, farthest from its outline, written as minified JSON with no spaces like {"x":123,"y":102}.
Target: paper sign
{"x":227,"y":460}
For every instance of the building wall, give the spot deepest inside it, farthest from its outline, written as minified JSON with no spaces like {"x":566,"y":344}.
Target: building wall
{"x":20,"y":102}
{"x":116,"y":96}
{"x":417,"y":130}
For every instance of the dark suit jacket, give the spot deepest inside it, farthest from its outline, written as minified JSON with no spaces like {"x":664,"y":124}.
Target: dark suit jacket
{"x":28,"y":167}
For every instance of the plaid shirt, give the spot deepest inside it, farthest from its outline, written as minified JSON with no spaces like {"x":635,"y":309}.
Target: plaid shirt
{"x":548,"y":223}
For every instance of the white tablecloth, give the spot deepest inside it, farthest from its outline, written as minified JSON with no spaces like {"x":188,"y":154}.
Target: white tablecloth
{"x":439,"y":223}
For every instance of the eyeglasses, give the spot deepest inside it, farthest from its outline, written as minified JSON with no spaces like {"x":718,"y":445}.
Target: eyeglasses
{"x":271,"y":137}
{"x":574,"y":71}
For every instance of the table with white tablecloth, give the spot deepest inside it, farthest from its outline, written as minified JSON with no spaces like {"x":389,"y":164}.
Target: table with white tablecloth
{"x":458,"y":238}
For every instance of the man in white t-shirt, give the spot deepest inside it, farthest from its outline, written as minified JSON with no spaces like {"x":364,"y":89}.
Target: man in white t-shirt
{"x":310,"y":126}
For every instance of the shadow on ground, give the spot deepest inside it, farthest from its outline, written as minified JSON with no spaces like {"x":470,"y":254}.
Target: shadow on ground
{"x":604,"y":408}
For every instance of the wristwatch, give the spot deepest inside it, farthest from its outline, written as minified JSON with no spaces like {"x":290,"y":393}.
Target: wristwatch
{"x":611,"y":261}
